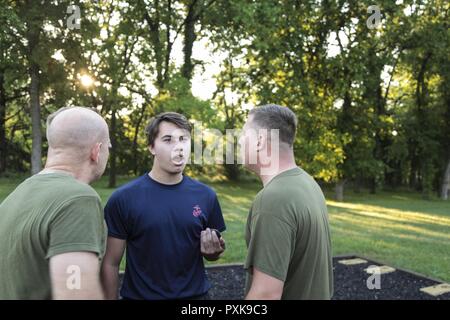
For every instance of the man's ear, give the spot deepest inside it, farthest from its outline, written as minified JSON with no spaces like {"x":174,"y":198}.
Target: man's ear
{"x":151,"y":149}
{"x":95,"y":152}
{"x":262,"y":140}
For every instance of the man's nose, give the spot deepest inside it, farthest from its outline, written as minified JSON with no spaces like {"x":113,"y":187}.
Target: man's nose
{"x":179,"y":146}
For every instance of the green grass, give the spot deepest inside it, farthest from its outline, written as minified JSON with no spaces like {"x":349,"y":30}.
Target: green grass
{"x":7,"y":185}
{"x":400,"y":229}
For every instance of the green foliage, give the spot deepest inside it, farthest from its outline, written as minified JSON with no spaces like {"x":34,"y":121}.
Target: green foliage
{"x":372,"y":104}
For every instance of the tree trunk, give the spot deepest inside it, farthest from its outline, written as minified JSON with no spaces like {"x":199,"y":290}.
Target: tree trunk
{"x":3,"y":144}
{"x":413,"y":176}
{"x":445,"y":89}
{"x":154,"y":34}
{"x":135,"y":138}
{"x":232,"y":171}
{"x":445,"y":187}
{"x":422,"y":102}
{"x":113,"y":155}
{"x":35,"y":107}
{"x":339,"y":190}
{"x":373,"y":97}
{"x":33,"y":34}
{"x":189,"y":38}
{"x":357,"y":185}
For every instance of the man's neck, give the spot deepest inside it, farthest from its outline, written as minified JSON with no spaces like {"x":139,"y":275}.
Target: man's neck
{"x":285,"y":163}
{"x":77,"y":174}
{"x":267,"y":178}
{"x":164,"y":177}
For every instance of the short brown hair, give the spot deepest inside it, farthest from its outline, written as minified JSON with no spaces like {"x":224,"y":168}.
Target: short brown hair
{"x":177,"y":119}
{"x":272,"y":116}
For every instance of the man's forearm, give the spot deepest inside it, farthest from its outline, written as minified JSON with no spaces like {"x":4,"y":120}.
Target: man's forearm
{"x":110,"y":281}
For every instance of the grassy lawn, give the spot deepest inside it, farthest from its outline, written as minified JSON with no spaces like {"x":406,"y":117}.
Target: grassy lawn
{"x":400,"y":229}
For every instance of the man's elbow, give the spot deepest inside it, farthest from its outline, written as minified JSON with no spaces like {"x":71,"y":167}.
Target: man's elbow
{"x":271,"y":295}
{"x":264,"y":294}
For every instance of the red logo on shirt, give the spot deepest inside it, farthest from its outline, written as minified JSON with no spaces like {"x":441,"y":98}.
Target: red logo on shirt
{"x":197,"y":211}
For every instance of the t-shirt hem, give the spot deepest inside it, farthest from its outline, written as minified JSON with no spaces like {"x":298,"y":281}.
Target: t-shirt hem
{"x":76,"y":247}
{"x":266,"y":271}
{"x":115,"y":235}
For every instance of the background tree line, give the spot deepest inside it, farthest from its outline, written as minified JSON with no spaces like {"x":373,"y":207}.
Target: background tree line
{"x":373,"y":103}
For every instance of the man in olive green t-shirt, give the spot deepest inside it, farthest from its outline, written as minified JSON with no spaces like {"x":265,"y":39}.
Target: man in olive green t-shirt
{"x":288,"y":237}
{"x":52,"y":232}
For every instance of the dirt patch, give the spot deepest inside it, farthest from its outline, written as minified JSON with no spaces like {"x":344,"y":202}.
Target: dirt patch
{"x":350,"y":283}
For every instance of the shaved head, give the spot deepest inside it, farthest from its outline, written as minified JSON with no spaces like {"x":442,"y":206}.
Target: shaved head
{"x":75,"y":129}
{"x":78,"y":143}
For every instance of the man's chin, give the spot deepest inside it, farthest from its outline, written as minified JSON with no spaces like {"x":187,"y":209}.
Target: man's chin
{"x":177,"y":169}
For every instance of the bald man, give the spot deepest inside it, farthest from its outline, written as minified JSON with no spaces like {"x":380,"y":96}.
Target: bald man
{"x":52,"y":232}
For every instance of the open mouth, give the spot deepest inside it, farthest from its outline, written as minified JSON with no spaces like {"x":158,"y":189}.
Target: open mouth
{"x":178,"y":161}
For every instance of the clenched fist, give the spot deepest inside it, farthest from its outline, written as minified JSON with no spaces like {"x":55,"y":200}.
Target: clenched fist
{"x":211,"y":246}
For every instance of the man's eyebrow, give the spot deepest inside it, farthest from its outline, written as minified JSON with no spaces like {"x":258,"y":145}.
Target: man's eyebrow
{"x":187,"y":134}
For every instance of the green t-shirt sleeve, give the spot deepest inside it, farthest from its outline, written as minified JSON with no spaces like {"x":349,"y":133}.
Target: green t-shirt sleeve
{"x":271,"y":245}
{"x":77,"y":226}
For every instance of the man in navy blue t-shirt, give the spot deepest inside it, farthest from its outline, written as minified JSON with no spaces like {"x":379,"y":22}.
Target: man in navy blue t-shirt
{"x":164,"y":219}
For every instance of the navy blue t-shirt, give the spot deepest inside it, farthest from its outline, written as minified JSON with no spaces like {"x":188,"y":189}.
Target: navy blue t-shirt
{"x":162,"y":225}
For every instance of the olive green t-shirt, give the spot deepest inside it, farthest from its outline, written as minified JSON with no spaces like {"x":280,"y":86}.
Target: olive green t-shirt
{"x":46,"y":215}
{"x":288,"y":236}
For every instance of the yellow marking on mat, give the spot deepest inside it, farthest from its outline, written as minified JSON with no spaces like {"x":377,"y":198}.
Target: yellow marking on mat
{"x":379,"y":269}
{"x":437,"y":290}
{"x":351,"y":262}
